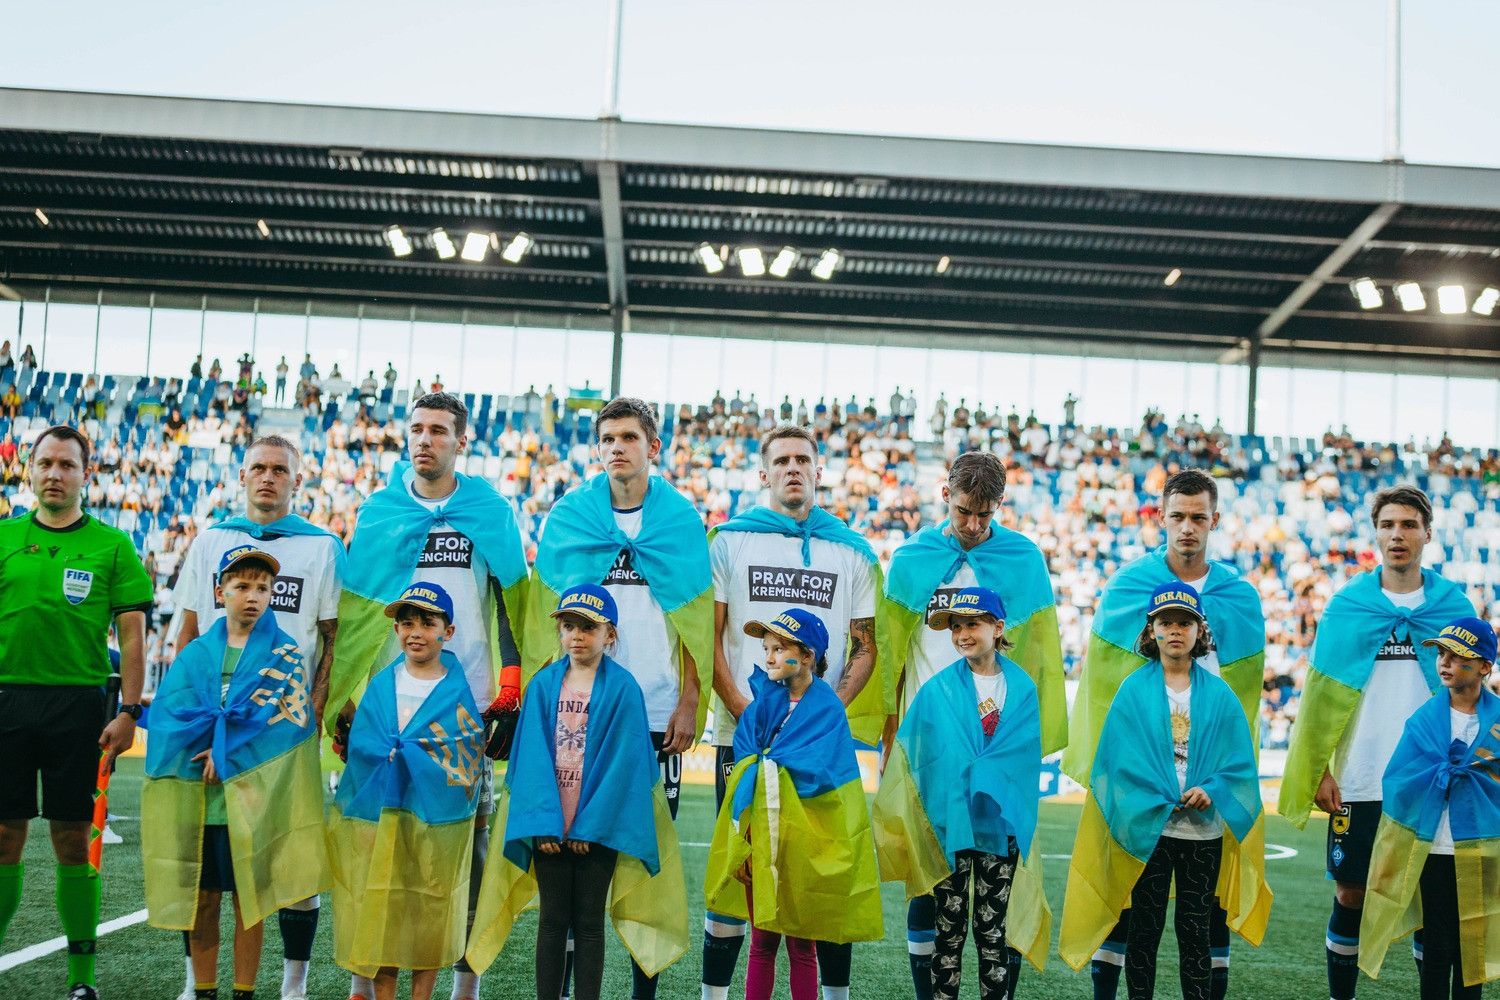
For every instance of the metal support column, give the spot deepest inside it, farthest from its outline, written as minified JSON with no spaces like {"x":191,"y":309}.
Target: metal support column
{"x":1253,"y":390}
{"x":617,"y":353}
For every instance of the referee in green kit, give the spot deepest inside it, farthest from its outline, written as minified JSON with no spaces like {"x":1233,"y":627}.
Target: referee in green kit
{"x":64,"y":578}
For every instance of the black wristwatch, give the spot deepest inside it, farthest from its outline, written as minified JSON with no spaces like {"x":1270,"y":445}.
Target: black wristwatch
{"x":134,"y":711}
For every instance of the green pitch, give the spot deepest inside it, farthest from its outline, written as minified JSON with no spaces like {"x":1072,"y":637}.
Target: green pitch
{"x":140,"y":963}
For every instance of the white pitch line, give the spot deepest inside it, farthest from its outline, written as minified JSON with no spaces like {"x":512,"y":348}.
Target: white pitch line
{"x":37,"y":951}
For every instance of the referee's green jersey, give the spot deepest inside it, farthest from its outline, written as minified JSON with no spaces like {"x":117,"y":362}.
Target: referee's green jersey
{"x":59,"y":591}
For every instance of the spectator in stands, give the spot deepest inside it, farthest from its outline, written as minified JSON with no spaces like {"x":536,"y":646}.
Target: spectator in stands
{"x":247,"y":365}
{"x":7,"y":361}
{"x":215,"y":371}
{"x":437,"y":384}
{"x":258,"y":388}
{"x":282,"y":369}
{"x":195,"y":370}
{"x":549,"y":412}
{"x":390,"y":378}
{"x":369,"y":389}
{"x":10,"y":403}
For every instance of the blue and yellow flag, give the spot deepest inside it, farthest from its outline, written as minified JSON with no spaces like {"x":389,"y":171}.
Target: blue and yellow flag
{"x":1012,"y":566}
{"x":1431,"y":771}
{"x":283,"y":527}
{"x":1134,"y":792}
{"x":388,"y":540}
{"x":580,"y":543}
{"x":402,"y":827}
{"x":1356,"y":623}
{"x":947,"y":788}
{"x":620,"y":806}
{"x":877,"y":700}
{"x":1234,"y":615}
{"x":796,"y":789}
{"x":263,"y":747}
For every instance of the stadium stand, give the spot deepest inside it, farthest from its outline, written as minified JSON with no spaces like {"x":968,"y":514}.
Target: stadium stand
{"x":1295,"y":512}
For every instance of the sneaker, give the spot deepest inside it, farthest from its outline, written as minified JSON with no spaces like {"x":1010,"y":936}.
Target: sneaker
{"x":110,"y":837}
{"x":82,"y":992}
{"x":188,"y":993}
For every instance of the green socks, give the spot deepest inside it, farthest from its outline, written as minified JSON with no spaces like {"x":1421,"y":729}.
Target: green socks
{"x":78,"y":910}
{"x":10,"y":895}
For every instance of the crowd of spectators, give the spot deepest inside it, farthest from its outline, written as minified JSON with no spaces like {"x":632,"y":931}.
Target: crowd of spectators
{"x":1294,"y":514}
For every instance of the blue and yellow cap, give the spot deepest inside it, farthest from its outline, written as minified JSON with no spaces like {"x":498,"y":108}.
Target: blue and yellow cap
{"x":971,"y":602}
{"x":589,"y":601}
{"x":244,"y":553}
{"x":1178,"y":596}
{"x":424,"y":595}
{"x":1471,"y":638}
{"x":796,"y":625}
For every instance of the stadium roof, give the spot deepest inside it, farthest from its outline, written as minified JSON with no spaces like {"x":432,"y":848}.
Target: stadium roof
{"x":960,"y":241}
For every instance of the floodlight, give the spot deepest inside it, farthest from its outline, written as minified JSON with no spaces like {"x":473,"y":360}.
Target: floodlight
{"x":476,"y":245}
{"x":827,"y":264}
{"x":443,"y":244}
{"x":1452,"y":300}
{"x":752,"y":261}
{"x":519,"y":245}
{"x":712,"y":263}
{"x":1409,"y":294}
{"x":943,"y":264}
{"x":265,"y":230}
{"x":782,"y":264}
{"x":400,"y":243}
{"x":1485,"y":302}
{"x":1172,"y":276}
{"x":1367,"y":292}
{"x":41,"y":217}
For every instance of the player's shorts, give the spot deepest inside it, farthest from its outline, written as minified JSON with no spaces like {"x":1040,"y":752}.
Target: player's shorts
{"x":671,"y":772}
{"x":1351,"y":839}
{"x":49,"y":732}
{"x":217,"y":872}
{"x":723,"y":765}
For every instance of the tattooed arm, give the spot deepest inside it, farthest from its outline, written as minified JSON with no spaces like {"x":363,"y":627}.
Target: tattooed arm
{"x":861,"y":661}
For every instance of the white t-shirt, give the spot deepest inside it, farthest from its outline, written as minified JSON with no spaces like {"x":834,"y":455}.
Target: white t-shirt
{"x":1189,"y":824}
{"x":410,"y":693}
{"x":648,"y":645}
{"x":1465,"y":727}
{"x":306,"y":590}
{"x":990,"y":693}
{"x":1210,"y":660}
{"x":931,"y":650}
{"x":450,"y":560}
{"x":760,"y":575}
{"x":1396,"y":689}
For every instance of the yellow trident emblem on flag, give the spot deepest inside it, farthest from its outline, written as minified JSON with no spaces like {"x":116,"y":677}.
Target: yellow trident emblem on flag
{"x":459,"y":758}
{"x":292,"y":700}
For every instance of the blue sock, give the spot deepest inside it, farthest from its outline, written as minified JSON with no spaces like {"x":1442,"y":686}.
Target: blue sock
{"x":1343,"y":952}
{"x":921,"y":919}
{"x":723,"y":937}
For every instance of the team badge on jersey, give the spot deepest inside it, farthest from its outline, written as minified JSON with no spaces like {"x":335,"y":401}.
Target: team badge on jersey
{"x":76,"y":585}
{"x":1340,"y":825}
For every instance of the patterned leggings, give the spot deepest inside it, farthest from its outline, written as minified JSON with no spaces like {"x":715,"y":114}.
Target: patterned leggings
{"x":1195,"y":863}
{"x":992,"y":876}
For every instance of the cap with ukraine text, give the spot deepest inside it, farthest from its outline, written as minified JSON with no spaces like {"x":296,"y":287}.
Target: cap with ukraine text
{"x":1174,"y":596}
{"x":971,"y":602}
{"x":797,"y":625}
{"x":424,"y":595}
{"x":242,"y":553}
{"x":1471,"y":638}
{"x":589,"y":601}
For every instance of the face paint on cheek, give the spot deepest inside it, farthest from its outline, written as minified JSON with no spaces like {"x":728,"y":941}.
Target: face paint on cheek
{"x":790,"y":662}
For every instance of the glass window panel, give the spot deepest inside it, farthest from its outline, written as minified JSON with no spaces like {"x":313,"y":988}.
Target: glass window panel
{"x":543,"y":359}
{"x":1053,"y":377}
{"x":1367,"y":405}
{"x":226,"y":336}
{"x":645,"y":372}
{"x":436,"y":354}
{"x":487,"y":360}
{"x":174,"y":342}
{"x":590,"y":355}
{"x":1159,"y":386}
{"x":1106,"y":398}
{"x":1271,"y":411}
{"x":746,"y":368}
{"x":1419,"y":407}
{"x":10,"y":324}
{"x":850,"y":372}
{"x":122,"y":340}
{"x":325,"y":337}
{"x":382,"y":342}
{"x":955,"y":376}
{"x":68,"y":340}
{"x":1471,"y":412}
{"x":277,"y":336}
{"x":1314,"y":402}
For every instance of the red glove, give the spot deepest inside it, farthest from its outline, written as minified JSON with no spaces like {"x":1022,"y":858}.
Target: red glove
{"x":504,"y":712}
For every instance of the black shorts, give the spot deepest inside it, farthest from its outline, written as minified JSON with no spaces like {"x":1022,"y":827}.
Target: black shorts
{"x":671,"y":773}
{"x":1351,"y":839}
{"x":217,"y":872}
{"x":723,"y":765}
{"x":52,"y":732}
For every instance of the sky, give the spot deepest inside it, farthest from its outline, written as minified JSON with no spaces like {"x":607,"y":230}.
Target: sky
{"x":1294,"y":77}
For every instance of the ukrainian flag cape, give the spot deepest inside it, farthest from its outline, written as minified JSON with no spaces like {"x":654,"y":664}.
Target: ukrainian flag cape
{"x":867,"y":712}
{"x":1008,"y":563}
{"x":620,"y":805}
{"x":796,"y":788}
{"x":1429,"y":771}
{"x":401,"y":827}
{"x":947,"y":788}
{"x":291,"y":524}
{"x":388,"y":541}
{"x":1356,"y":623}
{"x":1133,"y":793}
{"x":580,"y":544}
{"x":1234,"y":614}
{"x":262,"y":740}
